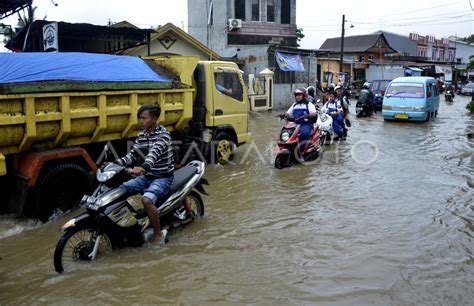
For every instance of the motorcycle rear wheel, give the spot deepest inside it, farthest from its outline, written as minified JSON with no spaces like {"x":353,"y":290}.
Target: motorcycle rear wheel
{"x":197,"y":204}
{"x":74,"y":247}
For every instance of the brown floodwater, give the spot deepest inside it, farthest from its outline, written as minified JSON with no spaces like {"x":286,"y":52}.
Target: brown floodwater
{"x":383,"y":218}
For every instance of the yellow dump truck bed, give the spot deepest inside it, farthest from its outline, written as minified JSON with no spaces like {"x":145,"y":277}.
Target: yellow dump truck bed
{"x":61,"y":119}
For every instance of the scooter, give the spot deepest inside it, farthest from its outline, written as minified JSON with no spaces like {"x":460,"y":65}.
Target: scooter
{"x":324,"y":122}
{"x":449,"y":95}
{"x":114,"y":219}
{"x":288,"y":151}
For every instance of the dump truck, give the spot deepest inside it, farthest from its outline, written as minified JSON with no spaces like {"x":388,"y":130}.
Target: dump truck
{"x":53,"y":131}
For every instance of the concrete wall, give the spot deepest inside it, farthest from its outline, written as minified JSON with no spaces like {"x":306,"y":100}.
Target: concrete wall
{"x":463,"y":51}
{"x":180,"y":47}
{"x":256,"y":58}
{"x":213,"y":36}
{"x":378,"y":72}
{"x":283,"y":97}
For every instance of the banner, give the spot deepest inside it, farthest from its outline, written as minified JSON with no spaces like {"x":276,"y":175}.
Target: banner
{"x":50,"y":37}
{"x":289,"y":62}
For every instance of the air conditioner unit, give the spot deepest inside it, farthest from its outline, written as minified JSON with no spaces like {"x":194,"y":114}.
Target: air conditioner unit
{"x":234,"y":24}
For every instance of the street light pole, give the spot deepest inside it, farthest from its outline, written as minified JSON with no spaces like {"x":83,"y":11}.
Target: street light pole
{"x":342,"y":43}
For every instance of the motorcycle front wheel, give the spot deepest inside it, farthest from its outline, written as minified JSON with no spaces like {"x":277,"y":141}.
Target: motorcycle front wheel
{"x":74,"y":247}
{"x":280,"y":161}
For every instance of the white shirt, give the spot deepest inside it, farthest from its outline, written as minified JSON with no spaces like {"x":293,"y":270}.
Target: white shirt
{"x":311,"y":108}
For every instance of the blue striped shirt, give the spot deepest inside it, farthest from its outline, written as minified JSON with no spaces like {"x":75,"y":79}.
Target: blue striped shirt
{"x":159,"y":161}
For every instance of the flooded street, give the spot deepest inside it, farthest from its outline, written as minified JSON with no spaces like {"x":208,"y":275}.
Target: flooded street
{"x":384,"y":218}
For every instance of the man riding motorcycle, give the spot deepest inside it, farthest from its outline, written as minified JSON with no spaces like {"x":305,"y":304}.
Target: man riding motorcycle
{"x":304,"y":114}
{"x":367,"y":97}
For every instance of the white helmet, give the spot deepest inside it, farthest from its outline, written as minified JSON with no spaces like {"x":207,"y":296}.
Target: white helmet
{"x":366,"y":85}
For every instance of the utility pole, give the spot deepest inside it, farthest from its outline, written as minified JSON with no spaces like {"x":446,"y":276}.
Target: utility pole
{"x":342,"y":43}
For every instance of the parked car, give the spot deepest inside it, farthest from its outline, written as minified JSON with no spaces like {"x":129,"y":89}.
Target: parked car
{"x":378,"y":88}
{"x":468,"y":89}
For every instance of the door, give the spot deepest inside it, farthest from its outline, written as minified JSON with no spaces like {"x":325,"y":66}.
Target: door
{"x":230,"y":101}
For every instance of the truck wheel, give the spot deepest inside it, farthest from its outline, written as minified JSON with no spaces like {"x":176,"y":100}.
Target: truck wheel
{"x":224,"y":148}
{"x":59,"y":188}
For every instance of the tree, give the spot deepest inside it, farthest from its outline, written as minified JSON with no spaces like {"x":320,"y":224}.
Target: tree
{"x":299,"y":35}
{"x":28,"y":17}
{"x":471,"y":63}
{"x":8,"y":33}
{"x":469,"y":39}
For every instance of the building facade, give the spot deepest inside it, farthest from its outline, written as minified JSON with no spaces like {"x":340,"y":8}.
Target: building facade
{"x":253,"y":31}
{"x":227,"y":25}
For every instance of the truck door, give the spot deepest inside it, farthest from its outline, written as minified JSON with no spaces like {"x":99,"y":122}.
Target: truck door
{"x":230,"y":101}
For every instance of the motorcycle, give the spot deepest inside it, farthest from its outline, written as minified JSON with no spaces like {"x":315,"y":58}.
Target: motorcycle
{"x":114,"y":219}
{"x":364,"y":109}
{"x":288,"y":151}
{"x":449,"y":95}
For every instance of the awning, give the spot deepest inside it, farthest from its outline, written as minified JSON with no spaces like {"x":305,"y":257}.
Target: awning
{"x":289,"y":62}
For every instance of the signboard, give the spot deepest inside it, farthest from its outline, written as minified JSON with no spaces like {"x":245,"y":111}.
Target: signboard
{"x":289,"y":62}
{"x":50,"y":37}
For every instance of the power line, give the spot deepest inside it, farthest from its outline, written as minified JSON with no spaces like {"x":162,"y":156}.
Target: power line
{"x":414,"y":11}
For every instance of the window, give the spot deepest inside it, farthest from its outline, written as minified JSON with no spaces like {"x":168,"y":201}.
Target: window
{"x":239,"y":8}
{"x":271,"y":10}
{"x":255,"y":10}
{"x":285,"y":12}
{"x":406,"y":90}
{"x":228,"y":83}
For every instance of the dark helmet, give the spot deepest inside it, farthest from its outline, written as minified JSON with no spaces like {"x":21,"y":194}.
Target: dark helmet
{"x":300,"y":91}
{"x":311,"y":91}
{"x":331,"y":87}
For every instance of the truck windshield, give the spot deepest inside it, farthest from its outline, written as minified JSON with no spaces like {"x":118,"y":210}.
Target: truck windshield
{"x":406,"y":90}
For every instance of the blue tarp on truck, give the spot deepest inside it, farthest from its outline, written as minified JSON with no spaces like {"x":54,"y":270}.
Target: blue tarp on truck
{"x":74,"y":66}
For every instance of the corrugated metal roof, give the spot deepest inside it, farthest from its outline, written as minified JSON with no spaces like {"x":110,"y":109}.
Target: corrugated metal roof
{"x":355,"y":44}
{"x":9,"y":7}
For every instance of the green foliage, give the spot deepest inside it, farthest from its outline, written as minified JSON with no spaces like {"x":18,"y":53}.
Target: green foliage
{"x":9,"y":34}
{"x":470,"y":106}
{"x":28,"y":17}
{"x":299,"y":35}
{"x":469,"y":39}
{"x":470,"y":65}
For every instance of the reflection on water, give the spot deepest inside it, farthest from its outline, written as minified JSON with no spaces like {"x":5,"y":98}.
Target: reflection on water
{"x":384,"y":218}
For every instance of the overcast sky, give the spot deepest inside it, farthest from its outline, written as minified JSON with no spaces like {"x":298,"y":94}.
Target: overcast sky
{"x":319,"y":19}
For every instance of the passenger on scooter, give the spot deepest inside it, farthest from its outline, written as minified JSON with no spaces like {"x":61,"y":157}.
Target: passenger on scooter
{"x":345,"y":108}
{"x":329,"y":89}
{"x":334,"y":108}
{"x":155,"y":175}
{"x":311,"y":94}
{"x":304,"y":114}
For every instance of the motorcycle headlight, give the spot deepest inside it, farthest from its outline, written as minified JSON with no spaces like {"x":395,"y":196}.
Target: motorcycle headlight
{"x":104,"y":176}
{"x":285,"y":136}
